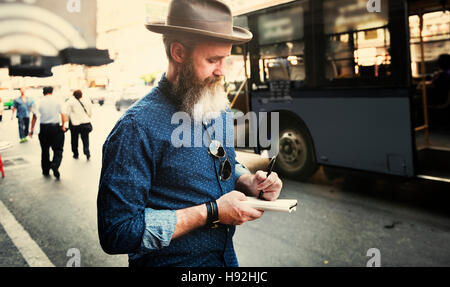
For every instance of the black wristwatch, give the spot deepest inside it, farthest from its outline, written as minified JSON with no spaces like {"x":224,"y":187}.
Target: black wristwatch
{"x":212,"y":220}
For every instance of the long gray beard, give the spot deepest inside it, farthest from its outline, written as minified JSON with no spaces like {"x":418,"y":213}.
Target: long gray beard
{"x":202,"y":100}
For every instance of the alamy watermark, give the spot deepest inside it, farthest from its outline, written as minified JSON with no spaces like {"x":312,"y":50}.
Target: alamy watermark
{"x":73,"y":6}
{"x":375,"y":260}
{"x":75,"y":257}
{"x":374,"y":6}
{"x":373,"y":253}
{"x":267,"y":134}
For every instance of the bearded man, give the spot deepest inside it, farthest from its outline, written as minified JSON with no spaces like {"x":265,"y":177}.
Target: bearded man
{"x":178,"y":206}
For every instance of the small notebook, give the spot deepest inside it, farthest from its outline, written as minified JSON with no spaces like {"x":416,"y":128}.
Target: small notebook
{"x":283,"y":205}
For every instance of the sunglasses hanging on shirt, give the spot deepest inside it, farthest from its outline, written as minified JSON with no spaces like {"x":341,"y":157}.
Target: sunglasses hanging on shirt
{"x":218,"y":151}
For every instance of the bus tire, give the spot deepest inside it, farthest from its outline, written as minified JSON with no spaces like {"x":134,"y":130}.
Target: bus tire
{"x":296,"y":157}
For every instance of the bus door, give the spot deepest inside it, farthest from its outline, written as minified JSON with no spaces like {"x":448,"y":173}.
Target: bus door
{"x":429,"y":30}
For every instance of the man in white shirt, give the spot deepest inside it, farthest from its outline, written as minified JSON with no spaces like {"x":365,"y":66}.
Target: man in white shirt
{"x":51,"y":133}
{"x":79,"y":112}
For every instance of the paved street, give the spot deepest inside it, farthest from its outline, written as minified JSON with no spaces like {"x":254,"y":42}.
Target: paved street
{"x":337,"y":221}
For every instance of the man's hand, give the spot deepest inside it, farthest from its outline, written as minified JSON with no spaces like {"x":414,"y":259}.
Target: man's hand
{"x":252,"y":184}
{"x":63,"y":129}
{"x":271,"y":186}
{"x":233,"y":212}
{"x":30,"y":134}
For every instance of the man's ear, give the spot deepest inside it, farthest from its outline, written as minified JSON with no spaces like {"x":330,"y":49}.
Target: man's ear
{"x":178,"y":52}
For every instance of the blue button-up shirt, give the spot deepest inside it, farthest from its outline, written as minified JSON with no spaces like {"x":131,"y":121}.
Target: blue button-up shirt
{"x":145,"y":179}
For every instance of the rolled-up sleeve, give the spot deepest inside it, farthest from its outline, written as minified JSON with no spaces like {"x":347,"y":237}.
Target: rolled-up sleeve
{"x":159,"y":228}
{"x":125,"y":224}
{"x":240,"y":169}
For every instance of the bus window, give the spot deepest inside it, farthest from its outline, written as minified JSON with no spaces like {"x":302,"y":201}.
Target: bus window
{"x":237,"y":69}
{"x":291,"y":68}
{"x":357,"y":41}
{"x":241,"y":21}
{"x":435,"y":34}
{"x":281,"y":45}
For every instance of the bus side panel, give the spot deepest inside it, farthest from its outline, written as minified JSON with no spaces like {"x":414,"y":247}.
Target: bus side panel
{"x":366,"y":133}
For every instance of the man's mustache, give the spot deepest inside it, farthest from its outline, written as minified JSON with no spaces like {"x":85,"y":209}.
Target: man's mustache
{"x":213,"y":80}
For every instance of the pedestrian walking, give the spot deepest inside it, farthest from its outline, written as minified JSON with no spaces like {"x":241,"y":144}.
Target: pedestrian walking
{"x":79,"y":112}
{"x":51,"y":134}
{"x":24,"y":107}
{"x":166,"y":205}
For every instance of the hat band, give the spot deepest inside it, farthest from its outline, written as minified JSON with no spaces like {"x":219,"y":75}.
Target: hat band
{"x":225,"y":27}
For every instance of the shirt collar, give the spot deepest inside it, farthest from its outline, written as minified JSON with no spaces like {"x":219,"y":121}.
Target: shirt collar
{"x":164,"y":84}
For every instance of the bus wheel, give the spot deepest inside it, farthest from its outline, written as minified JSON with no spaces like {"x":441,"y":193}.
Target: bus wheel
{"x":296,"y":155}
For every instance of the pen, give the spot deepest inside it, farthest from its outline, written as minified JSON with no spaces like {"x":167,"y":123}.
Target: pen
{"x":269,"y":170}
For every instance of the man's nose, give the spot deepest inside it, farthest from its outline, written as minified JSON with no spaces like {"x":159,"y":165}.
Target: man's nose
{"x":218,"y":72}
{"x":219,"y":69}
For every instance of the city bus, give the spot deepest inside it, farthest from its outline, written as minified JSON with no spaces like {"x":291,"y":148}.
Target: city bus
{"x":350,"y":80}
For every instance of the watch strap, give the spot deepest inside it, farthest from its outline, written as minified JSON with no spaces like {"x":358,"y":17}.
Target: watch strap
{"x":212,"y":220}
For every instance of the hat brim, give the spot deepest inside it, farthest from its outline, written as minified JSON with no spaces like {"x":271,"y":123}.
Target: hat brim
{"x":239,"y":36}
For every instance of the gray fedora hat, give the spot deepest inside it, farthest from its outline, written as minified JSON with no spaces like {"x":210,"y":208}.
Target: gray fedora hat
{"x":205,"y":18}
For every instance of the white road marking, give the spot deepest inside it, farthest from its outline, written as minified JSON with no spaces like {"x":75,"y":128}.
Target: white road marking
{"x":30,"y":251}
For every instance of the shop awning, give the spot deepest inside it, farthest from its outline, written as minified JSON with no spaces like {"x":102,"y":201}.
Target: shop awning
{"x":41,"y":66}
{"x":88,"y":57}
